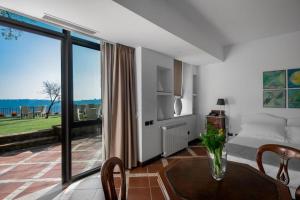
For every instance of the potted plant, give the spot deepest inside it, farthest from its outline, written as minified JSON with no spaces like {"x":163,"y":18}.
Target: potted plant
{"x":14,"y":114}
{"x":214,"y":140}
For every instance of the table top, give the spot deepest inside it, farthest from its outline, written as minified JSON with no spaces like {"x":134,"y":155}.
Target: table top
{"x":191,"y":179}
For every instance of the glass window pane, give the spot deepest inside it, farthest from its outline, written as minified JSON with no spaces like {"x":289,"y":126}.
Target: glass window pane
{"x":86,"y":83}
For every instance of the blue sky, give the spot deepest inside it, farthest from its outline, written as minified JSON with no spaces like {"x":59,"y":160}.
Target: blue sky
{"x":31,"y":59}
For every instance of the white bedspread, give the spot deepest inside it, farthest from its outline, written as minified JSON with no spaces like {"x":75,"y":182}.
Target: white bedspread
{"x":239,"y":156}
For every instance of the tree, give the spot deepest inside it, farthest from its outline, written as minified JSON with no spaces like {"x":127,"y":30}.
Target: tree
{"x":9,"y":33}
{"x":52,"y":90}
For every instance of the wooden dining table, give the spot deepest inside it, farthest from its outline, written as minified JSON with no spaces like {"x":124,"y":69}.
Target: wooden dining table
{"x":191,"y":179}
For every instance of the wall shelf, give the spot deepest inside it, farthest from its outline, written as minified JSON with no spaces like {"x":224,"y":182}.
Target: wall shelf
{"x":164,"y":78}
{"x":165,"y":108}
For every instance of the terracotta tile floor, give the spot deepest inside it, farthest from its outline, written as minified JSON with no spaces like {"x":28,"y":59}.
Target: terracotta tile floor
{"x":30,"y":170}
{"x":143,"y":183}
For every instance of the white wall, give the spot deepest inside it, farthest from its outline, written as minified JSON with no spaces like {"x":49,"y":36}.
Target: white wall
{"x":149,"y":137}
{"x":239,"y":77}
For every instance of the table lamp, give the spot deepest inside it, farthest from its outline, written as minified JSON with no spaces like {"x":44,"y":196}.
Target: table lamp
{"x":221,"y":102}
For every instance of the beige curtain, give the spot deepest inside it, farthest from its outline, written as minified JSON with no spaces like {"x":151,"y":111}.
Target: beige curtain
{"x":119,"y":106}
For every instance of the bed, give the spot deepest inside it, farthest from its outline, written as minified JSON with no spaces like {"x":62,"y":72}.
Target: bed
{"x":260,"y":129}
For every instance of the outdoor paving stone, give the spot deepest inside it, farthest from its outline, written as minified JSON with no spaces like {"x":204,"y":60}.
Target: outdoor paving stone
{"x":14,"y":157}
{"x":83,"y":155}
{"x":55,"y":148}
{"x":46,"y":156}
{"x":4,"y":167}
{"x":23,"y":171}
{"x":55,"y":172}
{"x":88,"y":149}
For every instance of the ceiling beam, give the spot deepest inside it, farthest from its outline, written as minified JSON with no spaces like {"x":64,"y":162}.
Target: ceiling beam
{"x":163,"y":14}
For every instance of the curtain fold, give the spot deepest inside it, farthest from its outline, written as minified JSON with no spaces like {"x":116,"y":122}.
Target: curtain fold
{"x":119,"y":104}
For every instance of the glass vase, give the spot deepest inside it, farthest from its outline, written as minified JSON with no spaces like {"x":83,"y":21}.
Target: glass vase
{"x":217,"y":163}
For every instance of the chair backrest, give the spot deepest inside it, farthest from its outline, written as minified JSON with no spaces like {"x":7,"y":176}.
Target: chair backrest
{"x":39,"y":109}
{"x":285,"y":153}
{"x":44,"y":109}
{"x":107,"y":179}
{"x":91,"y":105}
{"x":91,"y":113}
{"x":24,"y":110}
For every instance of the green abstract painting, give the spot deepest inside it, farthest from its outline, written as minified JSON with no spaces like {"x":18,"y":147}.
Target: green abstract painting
{"x":274,"y":79}
{"x":294,"y":78}
{"x":274,"y":99}
{"x":294,"y":98}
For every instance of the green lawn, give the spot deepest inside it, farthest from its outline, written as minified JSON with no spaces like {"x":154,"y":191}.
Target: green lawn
{"x":9,"y":126}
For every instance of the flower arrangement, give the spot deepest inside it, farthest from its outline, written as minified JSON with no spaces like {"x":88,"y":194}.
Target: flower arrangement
{"x":214,"y":140}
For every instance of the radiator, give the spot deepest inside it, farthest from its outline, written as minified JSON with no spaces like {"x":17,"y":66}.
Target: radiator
{"x":175,"y":138}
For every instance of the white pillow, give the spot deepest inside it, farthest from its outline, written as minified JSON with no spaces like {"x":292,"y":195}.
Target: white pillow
{"x":293,"y":121}
{"x":293,"y":134}
{"x":263,"y":131}
{"x":264,"y":118}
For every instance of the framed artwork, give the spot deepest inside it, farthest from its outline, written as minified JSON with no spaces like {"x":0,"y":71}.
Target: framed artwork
{"x":294,"y":98}
{"x":274,"y":79}
{"x":274,"y":99}
{"x":294,"y":78}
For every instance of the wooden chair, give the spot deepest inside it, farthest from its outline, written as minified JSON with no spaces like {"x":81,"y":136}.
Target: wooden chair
{"x":285,"y":153}
{"x":107,"y":179}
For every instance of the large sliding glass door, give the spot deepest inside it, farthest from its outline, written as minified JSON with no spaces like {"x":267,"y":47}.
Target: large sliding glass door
{"x":79,"y":114}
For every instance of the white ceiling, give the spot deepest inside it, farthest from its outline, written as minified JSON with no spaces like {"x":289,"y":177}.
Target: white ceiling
{"x":113,"y":23}
{"x":240,"y":21}
{"x":191,"y":30}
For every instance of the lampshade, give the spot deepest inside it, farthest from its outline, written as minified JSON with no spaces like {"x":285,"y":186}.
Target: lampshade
{"x":221,"y":102}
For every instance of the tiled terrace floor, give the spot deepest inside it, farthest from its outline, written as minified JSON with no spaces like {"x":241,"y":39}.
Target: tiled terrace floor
{"x":27,"y":171}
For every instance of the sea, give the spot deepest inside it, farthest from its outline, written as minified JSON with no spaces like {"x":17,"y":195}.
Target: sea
{"x":7,"y":106}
